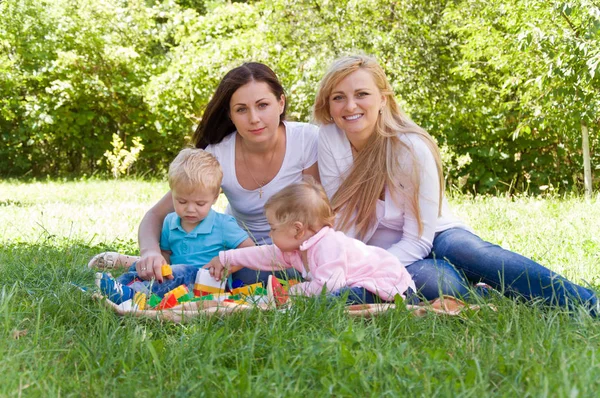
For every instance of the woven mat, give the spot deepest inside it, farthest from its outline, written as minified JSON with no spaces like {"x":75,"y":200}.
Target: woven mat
{"x":187,"y":311}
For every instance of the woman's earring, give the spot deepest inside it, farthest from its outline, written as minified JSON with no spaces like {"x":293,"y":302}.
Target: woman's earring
{"x":381,"y":111}
{"x":330,"y":119}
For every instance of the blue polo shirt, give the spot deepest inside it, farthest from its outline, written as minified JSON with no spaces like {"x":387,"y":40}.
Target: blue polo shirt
{"x":215,"y":233}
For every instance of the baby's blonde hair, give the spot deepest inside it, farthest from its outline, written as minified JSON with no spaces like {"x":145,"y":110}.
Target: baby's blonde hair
{"x":304,"y":201}
{"x":195,"y":168}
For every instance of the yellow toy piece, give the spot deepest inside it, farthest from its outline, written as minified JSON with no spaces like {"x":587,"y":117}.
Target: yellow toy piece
{"x":166,"y":270}
{"x":246,"y":290}
{"x":207,"y":284}
{"x":139,"y":299}
{"x":179,"y":291}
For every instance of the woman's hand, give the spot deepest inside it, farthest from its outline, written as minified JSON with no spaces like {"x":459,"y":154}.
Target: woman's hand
{"x":149,"y":266}
{"x":217,"y":270}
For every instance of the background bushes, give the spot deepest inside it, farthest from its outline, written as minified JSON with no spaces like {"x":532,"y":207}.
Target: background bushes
{"x":504,"y":86}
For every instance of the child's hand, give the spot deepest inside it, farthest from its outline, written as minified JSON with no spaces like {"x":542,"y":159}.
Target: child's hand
{"x":217,"y":270}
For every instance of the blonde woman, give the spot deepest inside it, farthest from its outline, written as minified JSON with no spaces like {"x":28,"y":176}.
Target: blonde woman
{"x":383,"y":174}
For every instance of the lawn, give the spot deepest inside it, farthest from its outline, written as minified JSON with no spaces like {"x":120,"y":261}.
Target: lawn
{"x":57,"y":341}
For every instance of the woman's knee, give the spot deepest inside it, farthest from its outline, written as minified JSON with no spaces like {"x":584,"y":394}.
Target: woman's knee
{"x":436,"y":278}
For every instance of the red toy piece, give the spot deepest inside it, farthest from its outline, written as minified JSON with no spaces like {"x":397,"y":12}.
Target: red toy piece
{"x":169,"y":301}
{"x":276,"y":292}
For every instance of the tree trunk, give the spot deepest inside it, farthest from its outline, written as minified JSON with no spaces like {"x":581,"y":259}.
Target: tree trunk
{"x":587,"y":168}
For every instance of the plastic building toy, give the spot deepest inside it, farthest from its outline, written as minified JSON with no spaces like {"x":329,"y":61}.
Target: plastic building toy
{"x":287,"y":283}
{"x":179,"y":291}
{"x":139,"y":299}
{"x":166,"y":270}
{"x":260,"y":291}
{"x":126,"y":305}
{"x":169,"y":301}
{"x":276,"y":291}
{"x":207,"y":284}
{"x":202,"y":298}
{"x":186,"y":297}
{"x":236,"y":283}
{"x":247,"y":290}
{"x":154,"y":300}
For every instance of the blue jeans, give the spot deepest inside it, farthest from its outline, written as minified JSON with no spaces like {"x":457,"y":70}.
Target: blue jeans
{"x":360,"y":295}
{"x":460,"y":258}
{"x":182,"y":275}
{"x":186,"y":275}
{"x":249,"y":276}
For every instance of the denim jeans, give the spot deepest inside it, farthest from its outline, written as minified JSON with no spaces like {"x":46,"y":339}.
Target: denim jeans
{"x":186,"y":275}
{"x":460,"y":258}
{"x":360,"y":295}
{"x":249,"y":276}
{"x":182,"y":275}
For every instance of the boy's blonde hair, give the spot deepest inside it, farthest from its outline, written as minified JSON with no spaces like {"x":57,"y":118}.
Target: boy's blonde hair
{"x":304,"y":201}
{"x":195,"y":168}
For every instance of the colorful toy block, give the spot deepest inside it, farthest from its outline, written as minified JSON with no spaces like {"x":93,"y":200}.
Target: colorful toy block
{"x":207,"y":284}
{"x":186,"y":297}
{"x":276,"y":291}
{"x":126,"y":305}
{"x":247,"y":290}
{"x":203,"y":298}
{"x":236,"y":283}
{"x":154,"y":301}
{"x":220,"y":296}
{"x":169,"y":301}
{"x":260,"y":291}
{"x":166,"y":270}
{"x":287,"y":283}
{"x":179,"y":291}
{"x":139,"y":300}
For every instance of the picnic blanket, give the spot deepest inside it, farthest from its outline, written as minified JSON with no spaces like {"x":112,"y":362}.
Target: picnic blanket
{"x":445,"y":305}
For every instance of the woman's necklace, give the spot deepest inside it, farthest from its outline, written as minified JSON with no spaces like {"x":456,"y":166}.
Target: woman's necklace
{"x":260,"y":186}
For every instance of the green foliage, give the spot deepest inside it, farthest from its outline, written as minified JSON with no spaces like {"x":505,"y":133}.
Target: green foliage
{"x":504,"y":84}
{"x":121,"y":159}
{"x":527,"y":76}
{"x":73,"y":78}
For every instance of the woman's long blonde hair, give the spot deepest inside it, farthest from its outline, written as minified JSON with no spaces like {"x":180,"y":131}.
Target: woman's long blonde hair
{"x":378,"y":164}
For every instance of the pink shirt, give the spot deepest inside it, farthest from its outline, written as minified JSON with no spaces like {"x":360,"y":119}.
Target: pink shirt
{"x":334,"y":261}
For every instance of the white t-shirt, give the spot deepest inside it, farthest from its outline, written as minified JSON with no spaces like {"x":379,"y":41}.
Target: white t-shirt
{"x":246,"y":205}
{"x":396,"y":228}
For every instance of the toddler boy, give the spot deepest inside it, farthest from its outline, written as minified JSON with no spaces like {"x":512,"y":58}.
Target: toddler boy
{"x":192,"y":235}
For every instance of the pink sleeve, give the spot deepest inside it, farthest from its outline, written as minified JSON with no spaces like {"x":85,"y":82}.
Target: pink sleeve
{"x":262,"y":258}
{"x":328,"y":267}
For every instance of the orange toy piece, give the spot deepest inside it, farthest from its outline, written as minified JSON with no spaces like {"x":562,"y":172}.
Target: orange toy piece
{"x":179,"y":291}
{"x":169,"y":301}
{"x":166,"y":270}
{"x":276,"y":291}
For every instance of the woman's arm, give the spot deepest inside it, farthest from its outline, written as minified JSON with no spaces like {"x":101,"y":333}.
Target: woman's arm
{"x":151,"y":260}
{"x":414,"y":246}
{"x":335,"y":158}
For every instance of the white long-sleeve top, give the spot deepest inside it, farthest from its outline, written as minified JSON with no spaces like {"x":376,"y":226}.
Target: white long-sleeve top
{"x":334,"y":260}
{"x":396,"y":228}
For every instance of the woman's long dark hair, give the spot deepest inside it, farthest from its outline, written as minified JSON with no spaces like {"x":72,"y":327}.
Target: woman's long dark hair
{"x":216,"y":124}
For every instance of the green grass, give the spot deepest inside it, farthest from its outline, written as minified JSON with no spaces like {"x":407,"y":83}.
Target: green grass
{"x":69,"y":345}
